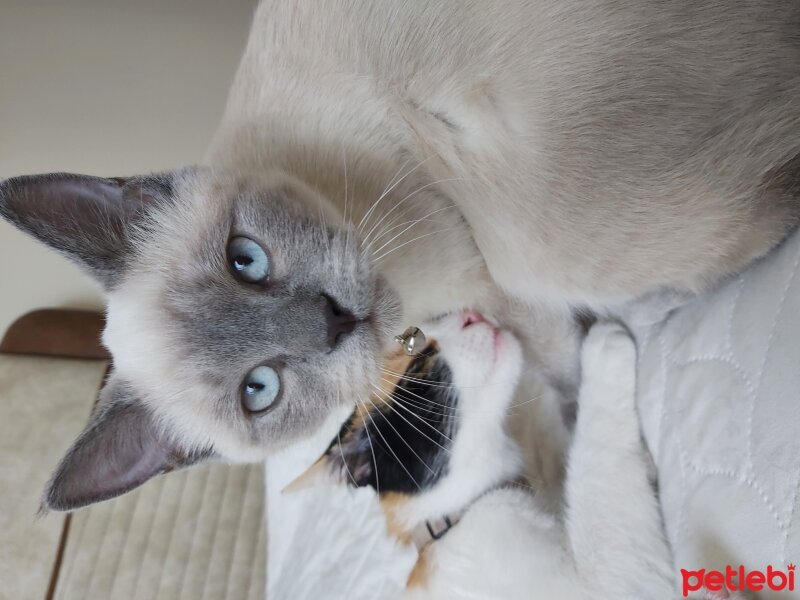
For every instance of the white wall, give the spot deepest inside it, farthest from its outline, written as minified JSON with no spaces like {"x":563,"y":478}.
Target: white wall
{"x":104,"y":87}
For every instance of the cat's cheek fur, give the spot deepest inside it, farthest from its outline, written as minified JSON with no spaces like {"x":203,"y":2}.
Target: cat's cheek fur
{"x":201,"y":410}
{"x":181,"y":403}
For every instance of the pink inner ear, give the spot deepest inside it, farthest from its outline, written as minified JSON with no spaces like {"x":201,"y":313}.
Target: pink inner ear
{"x":362,"y":471}
{"x":120,"y":449}
{"x":118,"y":452}
{"x":67,"y":204}
{"x":85,"y":218}
{"x":130,"y":463}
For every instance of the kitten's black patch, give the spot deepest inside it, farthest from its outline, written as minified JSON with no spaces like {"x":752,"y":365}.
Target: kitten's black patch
{"x":403,"y":445}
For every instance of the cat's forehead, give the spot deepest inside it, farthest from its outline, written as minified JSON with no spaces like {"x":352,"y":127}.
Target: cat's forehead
{"x":206,"y":208}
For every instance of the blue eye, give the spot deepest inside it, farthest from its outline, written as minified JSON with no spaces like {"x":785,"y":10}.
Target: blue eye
{"x":261,"y":388}
{"x":248,"y":260}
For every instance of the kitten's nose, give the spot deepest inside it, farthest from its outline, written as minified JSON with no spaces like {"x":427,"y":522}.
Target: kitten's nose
{"x":339,"y":321}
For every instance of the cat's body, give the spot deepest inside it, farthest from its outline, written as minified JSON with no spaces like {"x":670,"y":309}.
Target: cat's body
{"x":596,"y":151}
{"x":505,"y":540}
{"x":383,"y":162}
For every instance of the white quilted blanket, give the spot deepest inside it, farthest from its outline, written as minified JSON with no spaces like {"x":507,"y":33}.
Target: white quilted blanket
{"x":719,"y":398}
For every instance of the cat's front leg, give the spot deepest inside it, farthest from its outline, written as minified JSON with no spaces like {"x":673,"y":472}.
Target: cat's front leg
{"x":613,"y":521}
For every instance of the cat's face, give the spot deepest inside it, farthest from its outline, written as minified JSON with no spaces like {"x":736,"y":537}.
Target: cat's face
{"x":256,"y":289}
{"x":433,"y":437}
{"x":237,"y":316}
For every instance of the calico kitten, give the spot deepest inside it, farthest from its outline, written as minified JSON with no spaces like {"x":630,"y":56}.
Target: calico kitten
{"x":433,"y":444}
{"x":433,"y":435}
{"x":380,"y":163}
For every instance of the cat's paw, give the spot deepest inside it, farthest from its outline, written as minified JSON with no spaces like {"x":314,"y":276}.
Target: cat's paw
{"x":608,"y":369}
{"x":608,"y":350}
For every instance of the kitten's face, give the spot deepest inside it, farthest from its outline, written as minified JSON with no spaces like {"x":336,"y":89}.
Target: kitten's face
{"x":438,"y":419}
{"x":243,"y":319}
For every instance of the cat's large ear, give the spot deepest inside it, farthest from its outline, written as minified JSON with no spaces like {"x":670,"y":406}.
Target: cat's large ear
{"x":120,"y":449}
{"x":85,"y":218}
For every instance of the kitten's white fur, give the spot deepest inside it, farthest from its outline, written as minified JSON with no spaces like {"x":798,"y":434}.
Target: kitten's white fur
{"x":607,"y":543}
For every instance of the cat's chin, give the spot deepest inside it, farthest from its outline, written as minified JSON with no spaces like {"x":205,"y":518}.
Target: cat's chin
{"x":478,"y":351}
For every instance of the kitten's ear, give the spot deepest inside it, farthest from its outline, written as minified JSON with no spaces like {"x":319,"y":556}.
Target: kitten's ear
{"x":320,"y":471}
{"x":85,"y":218}
{"x":352,"y":470}
{"x":347,"y":460}
{"x":120,"y":449}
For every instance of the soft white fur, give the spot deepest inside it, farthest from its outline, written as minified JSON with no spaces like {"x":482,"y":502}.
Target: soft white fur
{"x":330,"y":543}
{"x":607,"y":543}
{"x":558,"y":153}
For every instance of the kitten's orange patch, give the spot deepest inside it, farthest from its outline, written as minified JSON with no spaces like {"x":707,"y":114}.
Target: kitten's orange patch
{"x":310,"y":477}
{"x":391,"y":503}
{"x":420,"y":574}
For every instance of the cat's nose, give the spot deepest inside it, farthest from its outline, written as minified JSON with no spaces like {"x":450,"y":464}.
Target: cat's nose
{"x":340,"y":322}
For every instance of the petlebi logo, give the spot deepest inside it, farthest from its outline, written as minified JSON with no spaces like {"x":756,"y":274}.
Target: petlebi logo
{"x":738,"y":579}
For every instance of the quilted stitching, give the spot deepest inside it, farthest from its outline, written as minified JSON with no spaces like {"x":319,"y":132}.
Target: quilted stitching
{"x":719,"y":382}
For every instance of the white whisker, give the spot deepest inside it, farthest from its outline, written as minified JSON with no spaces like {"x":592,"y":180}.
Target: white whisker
{"x":344,"y":212}
{"x":389,"y":423}
{"x":524,"y":402}
{"x":426,"y":400}
{"x":341,"y":451}
{"x":430,"y":382}
{"x":388,"y":189}
{"x":453,"y":410}
{"x":389,"y":448}
{"x":417,"y":430}
{"x":371,"y":448}
{"x":388,"y":252}
{"x":404,"y":200}
{"x":415,"y":222}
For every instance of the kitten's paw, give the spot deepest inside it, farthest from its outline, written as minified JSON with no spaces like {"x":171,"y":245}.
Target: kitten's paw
{"x":608,"y":365}
{"x":608,"y":348}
